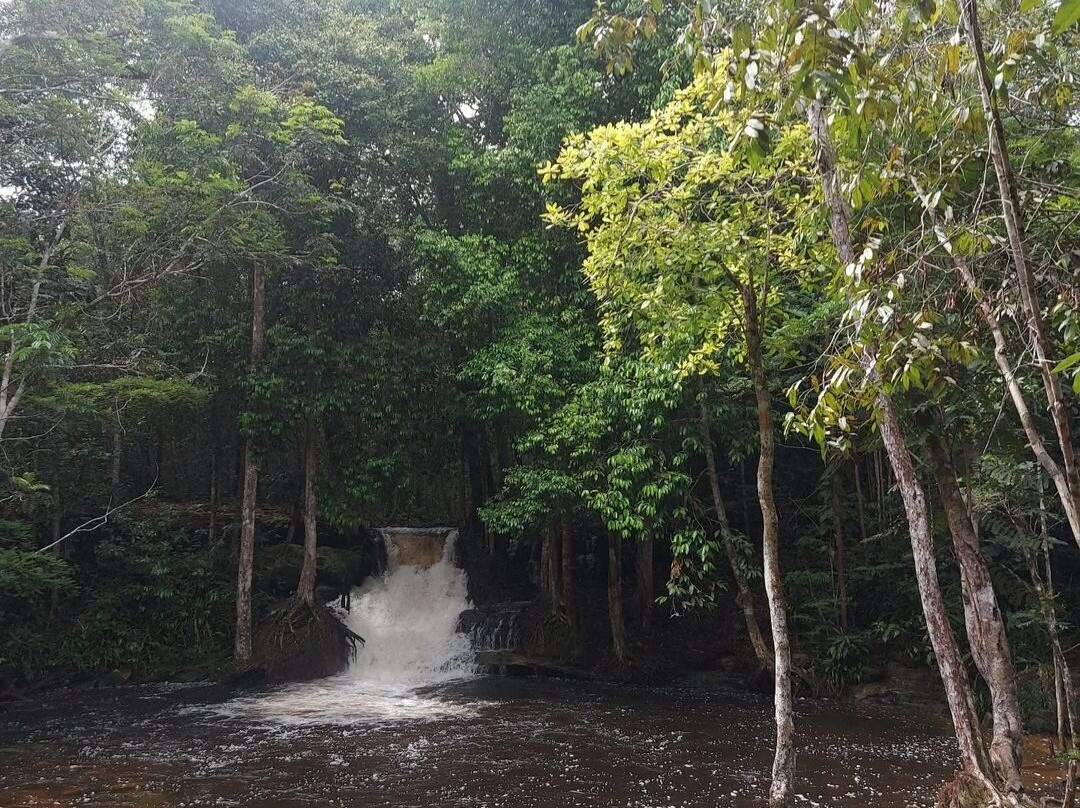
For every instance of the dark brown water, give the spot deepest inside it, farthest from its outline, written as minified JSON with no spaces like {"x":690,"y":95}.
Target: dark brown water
{"x":480,"y":743}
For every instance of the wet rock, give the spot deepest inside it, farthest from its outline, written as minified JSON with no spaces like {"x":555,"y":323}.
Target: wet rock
{"x":113,"y":678}
{"x":721,"y":681}
{"x":497,"y":626}
{"x":509,"y":663}
{"x":900,"y":685}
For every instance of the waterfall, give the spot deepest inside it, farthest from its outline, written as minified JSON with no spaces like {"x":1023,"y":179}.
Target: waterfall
{"x":408,"y":617}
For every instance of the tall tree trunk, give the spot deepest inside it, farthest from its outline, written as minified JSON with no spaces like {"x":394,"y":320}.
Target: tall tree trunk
{"x":470,"y":450}
{"x":9,"y":399}
{"x":839,"y":554}
{"x":488,"y":480}
{"x":1067,"y":492}
{"x":615,"y":598}
{"x":860,"y":500}
{"x":1015,"y":227}
{"x":1044,"y":590}
{"x":643,"y":590}
{"x":305,"y":590}
{"x":744,"y":595}
{"x":551,"y":567}
{"x":242,"y":651}
{"x":782,"y":789}
{"x":953,"y":676}
{"x":215,"y":494}
{"x":567,"y":555}
{"x":985,"y":625}
{"x":117,"y":458}
{"x":1043,"y":583}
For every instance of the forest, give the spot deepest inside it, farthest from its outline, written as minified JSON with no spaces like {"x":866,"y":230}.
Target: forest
{"x":735,"y":336}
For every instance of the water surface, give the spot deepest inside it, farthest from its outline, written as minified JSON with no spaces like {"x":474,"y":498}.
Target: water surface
{"x":481,"y":743}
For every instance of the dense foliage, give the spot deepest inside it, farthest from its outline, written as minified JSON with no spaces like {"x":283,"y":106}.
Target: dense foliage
{"x":751,"y":292}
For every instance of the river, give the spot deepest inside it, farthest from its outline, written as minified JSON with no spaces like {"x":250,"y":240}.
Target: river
{"x":411,"y":724}
{"x":481,"y":743}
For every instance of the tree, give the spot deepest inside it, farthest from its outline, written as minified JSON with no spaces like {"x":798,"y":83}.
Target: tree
{"x":687,"y":218}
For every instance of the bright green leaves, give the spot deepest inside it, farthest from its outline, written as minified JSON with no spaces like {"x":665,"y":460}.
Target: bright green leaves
{"x":1068,"y":13}
{"x":682,"y":212}
{"x":1070,"y":363}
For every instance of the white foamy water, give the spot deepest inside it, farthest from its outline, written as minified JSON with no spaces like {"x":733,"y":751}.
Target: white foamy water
{"x":408,"y":619}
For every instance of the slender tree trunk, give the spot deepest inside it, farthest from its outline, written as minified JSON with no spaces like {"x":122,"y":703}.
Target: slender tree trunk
{"x":242,"y":651}
{"x":985,"y":624}
{"x":839,"y":555}
{"x":643,"y":569}
{"x":9,"y":399}
{"x":214,"y":496}
{"x":550,"y":568}
{"x":305,"y":590}
{"x":615,"y":598}
{"x":1015,"y":227}
{"x":117,"y":458}
{"x":1067,"y":493}
{"x":470,"y":450}
{"x":1043,"y":583}
{"x":782,"y":789}
{"x":1044,"y":590}
{"x":567,"y":554}
{"x":488,"y":480}
{"x":744,"y":595}
{"x":860,"y":500}
{"x":952,"y":672}
{"x":953,"y":676}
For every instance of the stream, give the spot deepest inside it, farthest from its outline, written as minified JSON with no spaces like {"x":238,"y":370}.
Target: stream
{"x":412,"y":724}
{"x":483,"y":743}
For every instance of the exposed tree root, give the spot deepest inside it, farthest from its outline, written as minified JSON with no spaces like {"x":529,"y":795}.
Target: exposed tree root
{"x":972,"y":790}
{"x":302,"y":641}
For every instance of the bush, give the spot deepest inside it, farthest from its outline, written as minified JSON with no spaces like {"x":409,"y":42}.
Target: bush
{"x":152,"y":601}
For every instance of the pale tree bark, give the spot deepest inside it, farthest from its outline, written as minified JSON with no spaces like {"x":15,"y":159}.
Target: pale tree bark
{"x":985,"y":624}
{"x":1043,"y":582}
{"x":782,"y":787}
{"x":744,"y":595}
{"x":242,"y":650}
{"x":305,"y":589}
{"x":1015,"y":227}
{"x":615,"y":598}
{"x":117,"y":458}
{"x":10,"y":398}
{"x":1068,"y":494}
{"x":953,"y":675}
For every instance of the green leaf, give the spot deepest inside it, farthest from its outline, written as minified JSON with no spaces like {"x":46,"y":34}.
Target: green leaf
{"x":1067,"y":363}
{"x":1067,"y":14}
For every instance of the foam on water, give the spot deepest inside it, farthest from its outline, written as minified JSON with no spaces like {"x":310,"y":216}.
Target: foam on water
{"x":408,"y":618}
